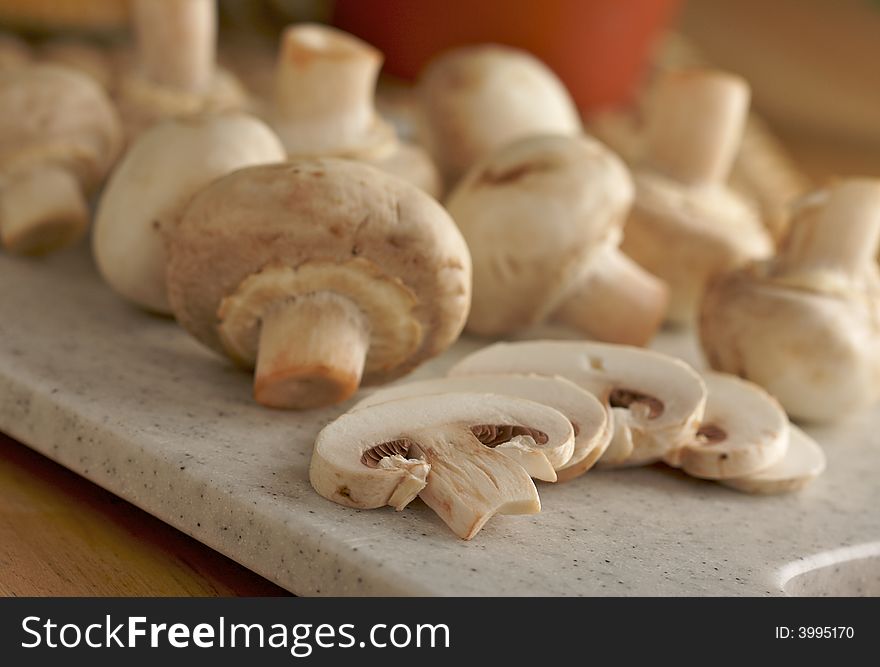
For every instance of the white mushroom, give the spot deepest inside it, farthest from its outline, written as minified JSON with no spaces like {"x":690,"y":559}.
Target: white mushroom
{"x":744,"y":431}
{"x":803,"y":462}
{"x":806,"y":324}
{"x":475,"y":99}
{"x":59,"y":135}
{"x":159,"y":174}
{"x":320,"y":273}
{"x":176,"y":73}
{"x":661,"y":399}
{"x":587,"y":416}
{"x":442,"y":448}
{"x":543,"y":217}
{"x":686,"y":224}
{"x":324,"y":105}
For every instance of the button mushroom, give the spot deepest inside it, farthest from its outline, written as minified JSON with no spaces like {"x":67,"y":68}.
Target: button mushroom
{"x":159,"y":174}
{"x":176,"y":72}
{"x":324,"y":105}
{"x":475,"y":99}
{"x":744,"y":431}
{"x":656,"y":401}
{"x":803,"y":462}
{"x":59,"y":135}
{"x":542,"y":217}
{"x":317,"y":272}
{"x":686,"y":223}
{"x":806,"y":324}
{"x":441,"y":448}
{"x":587,"y":416}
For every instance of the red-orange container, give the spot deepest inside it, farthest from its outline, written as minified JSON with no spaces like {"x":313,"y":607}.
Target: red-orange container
{"x":598,"y":47}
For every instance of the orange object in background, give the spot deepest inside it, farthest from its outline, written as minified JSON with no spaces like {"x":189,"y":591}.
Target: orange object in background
{"x":598,"y":47}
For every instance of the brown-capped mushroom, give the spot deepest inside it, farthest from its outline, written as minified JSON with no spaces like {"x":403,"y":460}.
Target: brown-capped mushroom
{"x":543,"y":217}
{"x":324,"y":105}
{"x":475,"y":99}
{"x":744,"y":431}
{"x":442,"y":448}
{"x":656,"y":401}
{"x":59,"y":135}
{"x":587,"y":416}
{"x":175,"y":72}
{"x":160,"y":172}
{"x":318,"y":272}
{"x":805,"y":325}
{"x":686,"y":224}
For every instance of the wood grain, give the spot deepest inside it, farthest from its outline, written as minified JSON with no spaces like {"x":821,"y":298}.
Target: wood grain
{"x":62,"y":535}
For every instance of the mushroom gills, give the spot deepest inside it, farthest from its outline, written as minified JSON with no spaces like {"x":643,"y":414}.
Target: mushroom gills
{"x":378,"y":455}
{"x":588,"y":417}
{"x":803,"y":462}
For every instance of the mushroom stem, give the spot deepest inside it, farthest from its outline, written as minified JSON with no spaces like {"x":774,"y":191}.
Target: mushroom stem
{"x":840,"y":234}
{"x":324,"y":88}
{"x":312,"y":352}
{"x":470,"y":482}
{"x":696,"y":125}
{"x":41,"y":210}
{"x":617,"y":301}
{"x":177,"y":42}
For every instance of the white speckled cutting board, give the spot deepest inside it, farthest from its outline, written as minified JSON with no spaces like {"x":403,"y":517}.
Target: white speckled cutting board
{"x":133,"y":404}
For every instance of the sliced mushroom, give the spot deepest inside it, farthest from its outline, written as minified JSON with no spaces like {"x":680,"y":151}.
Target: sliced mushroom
{"x":806,"y":324}
{"x":587,"y":416}
{"x":176,"y":73}
{"x":318,"y":272}
{"x":158,"y":176}
{"x":686,"y":224}
{"x":744,"y":431}
{"x":803,"y":462}
{"x":543,"y":217}
{"x":443,"y":448}
{"x":59,"y":135}
{"x":660,"y":400}
{"x":475,"y":99}
{"x":324,"y":105}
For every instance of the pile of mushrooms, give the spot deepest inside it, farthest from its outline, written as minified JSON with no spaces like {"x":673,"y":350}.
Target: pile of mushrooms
{"x":470,"y":444}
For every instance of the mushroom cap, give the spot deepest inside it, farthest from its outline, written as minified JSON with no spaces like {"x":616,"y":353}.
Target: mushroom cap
{"x":666,"y":397}
{"x":362,"y":458}
{"x":686,"y":234}
{"x":803,"y":462}
{"x":533,"y":214}
{"x":588,"y":417}
{"x":159,"y":174}
{"x":816,"y":351}
{"x":56,"y":115}
{"x":744,"y":431}
{"x":475,"y":99}
{"x":327,"y":219}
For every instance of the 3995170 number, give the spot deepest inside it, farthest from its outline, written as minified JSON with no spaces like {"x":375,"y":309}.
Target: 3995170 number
{"x":815,"y":632}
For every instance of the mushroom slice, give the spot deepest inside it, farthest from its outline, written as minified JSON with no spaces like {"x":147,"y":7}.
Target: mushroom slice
{"x":587,"y":416}
{"x":744,"y":431}
{"x":803,"y":462}
{"x":663,"y":397}
{"x":380,"y":455}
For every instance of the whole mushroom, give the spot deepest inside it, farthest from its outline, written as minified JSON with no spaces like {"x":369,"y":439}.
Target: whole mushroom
{"x":321,"y":273}
{"x":324,"y":105}
{"x":59,"y":135}
{"x":805,"y":325}
{"x":159,"y":174}
{"x":475,"y":99}
{"x":442,"y":448}
{"x":543,"y":218}
{"x":175,"y":73}
{"x":686,"y":223}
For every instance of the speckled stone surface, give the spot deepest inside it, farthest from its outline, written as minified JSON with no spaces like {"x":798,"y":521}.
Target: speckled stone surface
{"x":130,"y":402}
